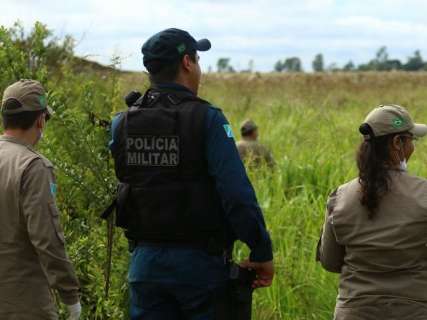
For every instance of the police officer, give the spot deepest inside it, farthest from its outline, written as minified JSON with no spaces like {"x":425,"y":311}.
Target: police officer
{"x":375,"y":227}
{"x":184,"y":196}
{"x":32,"y":254}
{"x":250,"y":149}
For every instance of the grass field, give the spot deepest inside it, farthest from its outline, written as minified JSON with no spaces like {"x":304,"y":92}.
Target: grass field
{"x":311,"y":124}
{"x":310,"y":121}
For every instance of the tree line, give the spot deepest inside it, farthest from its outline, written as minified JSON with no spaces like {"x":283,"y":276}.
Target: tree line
{"x":381,"y":62}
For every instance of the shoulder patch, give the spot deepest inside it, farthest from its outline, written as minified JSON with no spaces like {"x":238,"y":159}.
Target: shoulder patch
{"x":53,"y":189}
{"x":228,"y":130}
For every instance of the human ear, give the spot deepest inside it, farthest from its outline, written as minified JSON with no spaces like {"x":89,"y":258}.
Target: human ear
{"x":397,"y":143}
{"x":186,"y":62}
{"x":40,"y":123}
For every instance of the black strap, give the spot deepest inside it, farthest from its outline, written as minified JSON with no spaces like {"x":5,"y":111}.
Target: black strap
{"x":107,"y":212}
{"x":109,"y":216}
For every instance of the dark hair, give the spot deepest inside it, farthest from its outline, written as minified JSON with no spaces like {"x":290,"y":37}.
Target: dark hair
{"x":373,"y":161}
{"x":161,"y":71}
{"x":23,"y":120}
{"x":246,"y":132}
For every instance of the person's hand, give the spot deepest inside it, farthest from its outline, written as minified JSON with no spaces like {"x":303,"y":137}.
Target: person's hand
{"x":264,"y":271}
{"x":74,"y":311}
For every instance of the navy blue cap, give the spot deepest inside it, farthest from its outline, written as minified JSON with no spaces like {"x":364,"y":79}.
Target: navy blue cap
{"x":170,"y":45}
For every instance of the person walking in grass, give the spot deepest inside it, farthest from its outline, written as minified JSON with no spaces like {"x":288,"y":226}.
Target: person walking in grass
{"x":251,"y":151}
{"x":184,"y":196}
{"x":33,"y":260}
{"x":374,"y":233}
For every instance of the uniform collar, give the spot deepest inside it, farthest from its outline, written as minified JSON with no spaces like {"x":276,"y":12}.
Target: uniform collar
{"x":397,"y":170}
{"x":172,"y":86}
{"x":16,"y":140}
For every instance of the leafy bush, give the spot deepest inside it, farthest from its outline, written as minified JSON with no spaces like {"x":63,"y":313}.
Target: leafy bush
{"x":76,"y":142}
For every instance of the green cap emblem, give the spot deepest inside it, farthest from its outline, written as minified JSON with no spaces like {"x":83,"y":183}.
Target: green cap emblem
{"x":398,"y":122}
{"x":42,"y":100}
{"x":181,"y":48}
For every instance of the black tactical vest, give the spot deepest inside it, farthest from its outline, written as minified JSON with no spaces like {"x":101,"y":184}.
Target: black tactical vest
{"x":165,"y":193}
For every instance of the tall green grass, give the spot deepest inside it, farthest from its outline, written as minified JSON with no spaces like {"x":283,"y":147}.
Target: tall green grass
{"x":309,"y":121}
{"x":311,"y":124}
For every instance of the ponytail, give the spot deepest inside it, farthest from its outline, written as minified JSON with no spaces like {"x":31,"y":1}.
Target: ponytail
{"x":373,"y":161}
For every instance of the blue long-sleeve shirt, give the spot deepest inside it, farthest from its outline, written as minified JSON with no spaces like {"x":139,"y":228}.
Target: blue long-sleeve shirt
{"x":236,"y":192}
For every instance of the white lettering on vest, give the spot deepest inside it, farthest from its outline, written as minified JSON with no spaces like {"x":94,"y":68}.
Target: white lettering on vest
{"x":148,"y":151}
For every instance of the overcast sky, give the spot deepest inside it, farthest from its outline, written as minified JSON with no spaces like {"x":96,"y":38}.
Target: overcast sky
{"x":263,"y":31}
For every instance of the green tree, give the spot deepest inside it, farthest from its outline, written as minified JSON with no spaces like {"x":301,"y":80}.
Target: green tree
{"x":318,"y":64}
{"x":415,"y":62}
{"x":349,"y":66}
{"x":279,"y":66}
{"x":394,"y":64}
{"x":293,"y":64}
{"x":223,"y":65}
{"x":380,"y":61}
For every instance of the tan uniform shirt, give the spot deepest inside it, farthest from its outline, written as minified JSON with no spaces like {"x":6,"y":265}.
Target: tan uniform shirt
{"x":382,"y":261}
{"x":32,"y":253}
{"x":254,"y":153}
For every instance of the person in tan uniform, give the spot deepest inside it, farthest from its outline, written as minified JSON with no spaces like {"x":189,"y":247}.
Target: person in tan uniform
{"x":33,"y":260}
{"x":374,"y":233}
{"x":251,"y":151}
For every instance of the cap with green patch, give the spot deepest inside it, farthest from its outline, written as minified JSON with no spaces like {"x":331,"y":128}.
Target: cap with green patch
{"x":170,"y":45}
{"x":389,"y":119}
{"x":24,"y":95}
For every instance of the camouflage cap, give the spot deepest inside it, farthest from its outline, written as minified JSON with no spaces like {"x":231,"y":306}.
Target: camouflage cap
{"x":24,"y":95}
{"x":248,"y":126}
{"x":389,"y":119}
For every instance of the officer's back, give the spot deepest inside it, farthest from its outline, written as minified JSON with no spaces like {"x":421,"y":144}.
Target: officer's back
{"x":374,"y":232}
{"x":32,"y":255}
{"x":183,"y":195}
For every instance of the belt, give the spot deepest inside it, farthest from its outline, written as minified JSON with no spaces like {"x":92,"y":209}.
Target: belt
{"x":189,"y":245}
{"x":211,"y":250}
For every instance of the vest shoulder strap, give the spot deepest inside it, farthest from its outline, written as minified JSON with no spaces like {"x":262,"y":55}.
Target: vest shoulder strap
{"x":153,"y":96}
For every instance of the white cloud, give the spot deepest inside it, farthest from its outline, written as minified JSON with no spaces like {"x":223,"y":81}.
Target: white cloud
{"x":253,"y":29}
{"x":384,"y":27}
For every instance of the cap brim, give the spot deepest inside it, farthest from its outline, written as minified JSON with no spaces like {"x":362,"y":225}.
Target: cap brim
{"x":419,"y":130}
{"x":203,"y":45}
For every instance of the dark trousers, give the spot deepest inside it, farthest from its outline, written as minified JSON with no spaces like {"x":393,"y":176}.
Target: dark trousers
{"x":154,"y":301}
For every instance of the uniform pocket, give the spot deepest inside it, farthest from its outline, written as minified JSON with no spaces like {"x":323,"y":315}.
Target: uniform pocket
{"x":56,"y":222}
{"x":360,"y":313}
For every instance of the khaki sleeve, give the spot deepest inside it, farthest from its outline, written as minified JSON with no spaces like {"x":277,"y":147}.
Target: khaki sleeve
{"x":241,"y":150}
{"x":42,"y":219}
{"x":329,"y":252}
{"x":269,"y":158}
